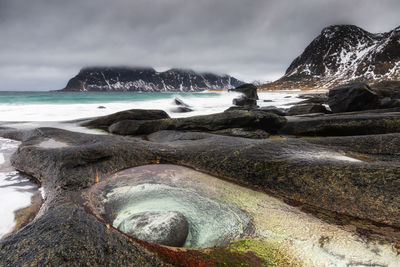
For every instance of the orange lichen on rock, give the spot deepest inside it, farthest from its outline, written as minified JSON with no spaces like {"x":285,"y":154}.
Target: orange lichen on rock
{"x":96,"y":178}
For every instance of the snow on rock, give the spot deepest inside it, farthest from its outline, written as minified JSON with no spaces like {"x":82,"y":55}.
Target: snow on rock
{"x":342,"y":54}
{"x":147,"y":80}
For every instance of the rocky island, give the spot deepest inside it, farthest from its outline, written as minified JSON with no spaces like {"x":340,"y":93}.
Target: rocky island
{"x":141,"y":79}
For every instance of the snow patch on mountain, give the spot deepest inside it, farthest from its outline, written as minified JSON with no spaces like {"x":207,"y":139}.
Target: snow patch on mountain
{"x":147,"y":80}
{"x":345,"y":53}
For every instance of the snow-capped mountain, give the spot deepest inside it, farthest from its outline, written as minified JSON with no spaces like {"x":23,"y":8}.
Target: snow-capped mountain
{"x":260,"y":82}
{"x":345,"y":53}
{"x":147,"y":80}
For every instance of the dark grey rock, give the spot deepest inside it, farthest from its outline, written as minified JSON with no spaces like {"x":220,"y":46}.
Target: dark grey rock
{"x":352,"y":97}
{"x":352,"y":123}
{"x":314,"y":98}
{"x":249,"y":90}
{"x":306,"y":109}
{"x":268,"y":121}
{"x":248,"y":108}
{"x":249,"y":97}
{"x":256,"y":119}
{"x":389,"y":89}
{"x":244,"y":102}
{"x":179,"y":102}
{"x":245,"y":133}
{"x":275,"y":110}
{"x":294,"y":169}
{"x":134,"y":114}
{"x":213,"y":122}
{"x":182,"y":106}
{"x":388,"y":102}
{"x":172,"y":136}
{"x":68,"y":236}
{"x":169,"y":228}
{"x":355,"y":176}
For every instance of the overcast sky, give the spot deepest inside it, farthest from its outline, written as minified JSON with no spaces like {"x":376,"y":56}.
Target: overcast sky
{"x":43,"y":43}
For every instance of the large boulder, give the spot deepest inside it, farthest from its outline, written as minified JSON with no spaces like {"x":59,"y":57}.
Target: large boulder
{"x":213,"y":122}
{"x":352,"y":97}
{"x":249,"y":90}
{"x":168,"y":228}
{"x":230,"y":119}
{"x":249,"y":95}
{"x":134,"y":114}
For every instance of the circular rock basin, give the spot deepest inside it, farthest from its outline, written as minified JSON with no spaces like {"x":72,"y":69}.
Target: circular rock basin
{"x":167,"y":204}
{"x":154,"y":202}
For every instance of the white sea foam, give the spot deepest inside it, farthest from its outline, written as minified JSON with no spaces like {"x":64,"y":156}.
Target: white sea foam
{"x":201,"y":105}
{"x":12,"y":198}
{"x":15,"y":192}
{"x":42,"y":192}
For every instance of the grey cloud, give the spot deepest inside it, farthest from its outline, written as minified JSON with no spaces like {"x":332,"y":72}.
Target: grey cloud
{"x":43,"y":42}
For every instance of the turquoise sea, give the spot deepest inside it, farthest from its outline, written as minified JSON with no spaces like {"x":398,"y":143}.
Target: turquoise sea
{"x":89,"y":97}
{"x":61,"y":106}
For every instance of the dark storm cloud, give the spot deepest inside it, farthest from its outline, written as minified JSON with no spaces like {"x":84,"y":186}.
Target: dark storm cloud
{"x":45,"y":42}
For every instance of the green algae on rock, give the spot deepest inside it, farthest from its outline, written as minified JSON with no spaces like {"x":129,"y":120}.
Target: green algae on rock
{"x":161,"y":188}
{"x":253,"y":252}
{"x":280,"y":235}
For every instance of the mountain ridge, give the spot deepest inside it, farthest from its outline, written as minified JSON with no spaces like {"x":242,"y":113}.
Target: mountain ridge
{"x":342,"y":54}
{"x":147,"y":79}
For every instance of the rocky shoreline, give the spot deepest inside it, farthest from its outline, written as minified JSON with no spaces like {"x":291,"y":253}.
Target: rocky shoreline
{"x":346,"y":175}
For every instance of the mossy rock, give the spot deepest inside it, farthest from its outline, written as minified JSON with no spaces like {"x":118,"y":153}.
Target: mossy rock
{"x":253,"y":252}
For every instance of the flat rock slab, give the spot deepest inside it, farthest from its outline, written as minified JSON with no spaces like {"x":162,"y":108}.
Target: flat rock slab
{"x":291,"y":168}
{"x":134,"y":114}
{"x":322,"y":174}
{"x":343,"y":124}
